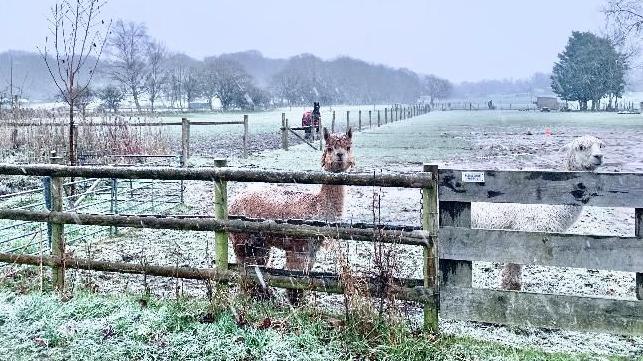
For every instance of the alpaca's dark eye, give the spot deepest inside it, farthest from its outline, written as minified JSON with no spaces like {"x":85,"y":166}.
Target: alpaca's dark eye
{"x":348,"y":148}
{"x":581,"y":147}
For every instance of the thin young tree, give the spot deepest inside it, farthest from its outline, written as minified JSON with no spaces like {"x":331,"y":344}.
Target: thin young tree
{"x":78,"y":34}
{"x":155,"y":78}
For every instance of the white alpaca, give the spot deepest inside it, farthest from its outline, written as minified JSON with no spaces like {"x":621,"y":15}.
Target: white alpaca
{"x":582,"y":154}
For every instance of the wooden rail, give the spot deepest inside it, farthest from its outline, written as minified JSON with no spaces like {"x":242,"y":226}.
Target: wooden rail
{"x":402,"y":289}
{"x":415,"y":180}
{"x":118,"y":124}
{"x":544,"y":187}
{"x":415,"y":238}
{"x":592,"y":314}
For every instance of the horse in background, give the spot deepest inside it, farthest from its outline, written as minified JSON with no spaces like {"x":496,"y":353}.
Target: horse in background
{"x":311,"y":120}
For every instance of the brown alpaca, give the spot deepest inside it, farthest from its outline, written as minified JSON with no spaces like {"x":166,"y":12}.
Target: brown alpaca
{"x":327,"y":205}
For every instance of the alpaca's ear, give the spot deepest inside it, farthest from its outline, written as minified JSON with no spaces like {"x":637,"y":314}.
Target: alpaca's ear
{"x":566,"y":148}
{"x":349,"y":133}
{"x":326,"y":134}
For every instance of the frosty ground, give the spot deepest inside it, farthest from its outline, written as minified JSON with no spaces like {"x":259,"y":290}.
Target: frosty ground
{"x":474,"y":140}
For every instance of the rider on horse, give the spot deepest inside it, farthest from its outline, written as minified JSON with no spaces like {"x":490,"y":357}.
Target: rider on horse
{"x":311,"y":119}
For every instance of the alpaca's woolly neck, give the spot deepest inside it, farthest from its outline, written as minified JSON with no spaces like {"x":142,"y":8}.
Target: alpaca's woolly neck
{"x":331,"y":201}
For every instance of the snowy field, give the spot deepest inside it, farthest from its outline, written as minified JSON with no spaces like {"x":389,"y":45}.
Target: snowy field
{"x":483,"y":140}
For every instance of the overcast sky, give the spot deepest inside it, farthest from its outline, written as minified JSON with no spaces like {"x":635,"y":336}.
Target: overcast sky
{"x":457,"y":39}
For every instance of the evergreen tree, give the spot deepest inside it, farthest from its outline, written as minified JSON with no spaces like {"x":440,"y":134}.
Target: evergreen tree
{"x":589,"y":68}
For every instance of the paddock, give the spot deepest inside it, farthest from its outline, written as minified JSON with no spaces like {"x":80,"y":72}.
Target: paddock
{"x":406,"y":209}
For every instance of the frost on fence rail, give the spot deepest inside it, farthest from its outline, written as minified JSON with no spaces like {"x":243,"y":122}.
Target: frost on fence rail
{"x":411,"y":180}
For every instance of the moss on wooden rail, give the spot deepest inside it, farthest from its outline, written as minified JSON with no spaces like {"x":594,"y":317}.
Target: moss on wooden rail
{"x":402,"y":289}
{"x":415,"y":180}
{"x":542,"y":310}
{"x":415,"y":238}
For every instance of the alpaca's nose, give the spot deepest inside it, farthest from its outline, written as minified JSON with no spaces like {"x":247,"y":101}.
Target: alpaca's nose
{"x":340,"y":156}
{"x":598,"y":157}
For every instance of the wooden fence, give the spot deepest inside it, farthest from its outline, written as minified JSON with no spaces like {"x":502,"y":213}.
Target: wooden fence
{"x":460,"y":245}
{"x":185,"y":123}
{"x":447,"y":194}
{"x":391,"y":114}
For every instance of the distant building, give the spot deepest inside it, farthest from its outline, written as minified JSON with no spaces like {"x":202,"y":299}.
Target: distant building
{"x":204,"y":104}
{"x":198,"y":105}
{"x":550,"y":103}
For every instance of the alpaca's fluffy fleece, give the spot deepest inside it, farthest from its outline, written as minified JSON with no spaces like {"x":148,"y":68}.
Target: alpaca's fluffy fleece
{"x":327,"y":204}
{"x":581,"y":154}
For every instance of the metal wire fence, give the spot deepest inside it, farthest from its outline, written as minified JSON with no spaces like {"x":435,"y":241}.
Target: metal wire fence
{"x":91,"y":195}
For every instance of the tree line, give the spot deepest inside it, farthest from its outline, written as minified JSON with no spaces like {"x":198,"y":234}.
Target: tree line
{"x":137,"y":67}
{"x":143,"y":67}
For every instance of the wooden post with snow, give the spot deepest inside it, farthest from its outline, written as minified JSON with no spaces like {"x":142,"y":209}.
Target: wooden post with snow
{"x":378,"y":118}
{"x":430,"y":225}
{"x":348,"y":119}
{"x":245,"y":135}
{"x":319,"y":131}
{"x":385,"y":115}
{"x":638,"y":222}
{"x":359,"y":120}
{"x":370,"y":119}
{"x":57,"y":229}
{"x":284,"y":132}
{"x":332,"y":125}
{"x":221,"y":214}
{"x":185,"y":150}
{"x":185,"y":141}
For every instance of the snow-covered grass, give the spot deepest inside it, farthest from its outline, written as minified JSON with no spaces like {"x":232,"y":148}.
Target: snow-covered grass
{"x":36,"y":326}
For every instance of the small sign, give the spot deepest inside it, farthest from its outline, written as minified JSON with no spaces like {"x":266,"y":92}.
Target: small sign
{"x":473,"y":177}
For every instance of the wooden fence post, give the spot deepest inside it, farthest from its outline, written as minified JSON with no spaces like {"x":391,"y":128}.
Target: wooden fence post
{"x":359,"y":121}
{"x":454,"y":272}
{"x":320,"y":130}
{"x":332,"y":125}
{"x":185,"y":141}
{"x":430,"y":225}
{"x":638,"y":221}
{"x":378,"y":118}
{"x":57,"y":229}
{"x":221,"y":214}
{"x":370,"y":119}
{"x":385,"y":115}
{"x":113,"y":203}
{"x":348,"y":119}
{"x":397,"y":115}
{"x":245,"y":135}
{"x":185,"y":150}
{"x":284,"y":132}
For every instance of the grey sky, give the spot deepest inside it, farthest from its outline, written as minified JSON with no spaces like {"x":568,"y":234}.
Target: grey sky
{"x":457,"y":39}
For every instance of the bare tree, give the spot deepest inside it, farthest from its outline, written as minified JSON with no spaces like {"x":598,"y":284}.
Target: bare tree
{"x":191,"y":84}
{"x":127,"y":46}
{"x":155,"y":78}
{"x":624,"y":20}
{"x":78,"y":36}
{"x":436,"y":88}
